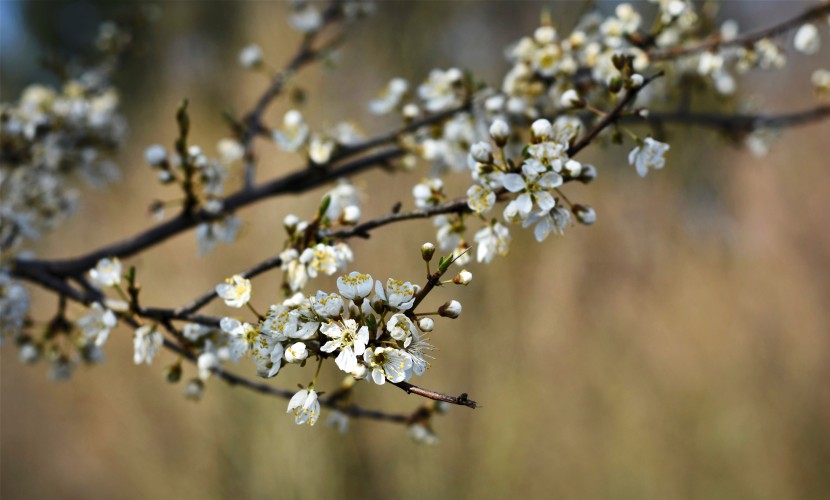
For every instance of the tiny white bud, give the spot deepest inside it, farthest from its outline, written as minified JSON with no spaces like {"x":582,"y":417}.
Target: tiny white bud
{"x":588,"y":174}
{"x":451,"y":309}
{"x":426,"y":324}
{"x":427,"y":251}
{"x":155,"y":155}
{"x":463,"y":278}
{"x":290,"y":220}
{"x":637,"y":80}
{"x":569,"y":99}
{"x":351,"y":214}
{"x":541,"y":129}
{"x":250,"y":56}
{"x":482,"y":152}
{"x":585,"y":214}
{"x":194,"y":151}
{"x":194,"y":390}
{"x":411,"y":111}
{"x":573,"y":168}
{"x":500,"y":132}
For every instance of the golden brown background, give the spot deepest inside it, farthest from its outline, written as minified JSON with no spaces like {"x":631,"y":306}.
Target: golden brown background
{"x":677,"y":349}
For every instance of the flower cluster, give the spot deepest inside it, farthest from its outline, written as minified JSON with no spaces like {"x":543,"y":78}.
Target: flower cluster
{"x":49,"y":138}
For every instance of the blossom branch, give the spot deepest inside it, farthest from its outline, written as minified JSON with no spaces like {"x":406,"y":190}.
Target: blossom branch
{"x":716,"y":40}
{"x":305,"y":54}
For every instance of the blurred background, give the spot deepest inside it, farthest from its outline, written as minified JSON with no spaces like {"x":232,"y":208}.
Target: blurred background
{"x":679,"y":348}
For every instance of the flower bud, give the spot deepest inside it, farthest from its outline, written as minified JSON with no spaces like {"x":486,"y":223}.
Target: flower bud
{"x":411,"y":111}
{"x":250,"y":56}
{"x":351,"y":214}
{"x":588,"y":174}
{"x":500,"y":132}
{"x":427,"y":251}
{"x":194,"y":390}
{"x":29,"y":353}
{"x":426,"y":324}
{"x":541,"y":129}
{"x":463,"y":278}
{"x":156,"y":155}
{"x":173,"y":373}
{"x":570,"y":99}
{"x":482,"y":152}
{"x":584,"y":214}
{"x":572,"y":168}
{"x":451,"y":309}
{"x":615,"y":84}
{"x":636,"y":81}
{"x":290,"y":221}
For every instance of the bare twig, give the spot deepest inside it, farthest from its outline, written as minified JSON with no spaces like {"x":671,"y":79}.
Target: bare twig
{"x":734,"y":123}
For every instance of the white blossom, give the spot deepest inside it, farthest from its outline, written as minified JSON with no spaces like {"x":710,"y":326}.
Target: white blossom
{"x":355,"y":286}
{"x":106,"y":273}
{"x":401,"y":327}
{"x":97,"y":323}
{"x":807,"y":40}
{"x":235,"y":291}
{"x":390,"y":97}
{"x":441,"y":90}
{"x":328,"y":305}
{"x":480,"y":199}
{"x":398,"y":295}
{"x":387,"y":363}
{"x":305,"y":407}
{"x":146,"y":343}
{"x":296,"y":352}
{"x":648,"y":155}
{"x":250,"y":56}
{"x":348,"y":339}
{"x":293,"y":132}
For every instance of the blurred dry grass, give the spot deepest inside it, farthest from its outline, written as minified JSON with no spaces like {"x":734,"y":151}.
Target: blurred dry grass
{"x":677,"y":349}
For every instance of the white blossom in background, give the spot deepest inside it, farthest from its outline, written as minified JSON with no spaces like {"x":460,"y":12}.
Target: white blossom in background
{"x":422,"y":434}
{"x":230,"y":150}
{"x":250,"y":56}
{"x":390,"y":97}
{"x":821,"y":82}
{"x":320,"y":149}
{"x":295,"y":271}
{"x":338,"y":421}
{"x":492,"y":240}
{"x":210,"y":234}
{"x":305,"y":407}
{"x":106,"y":273}
{"x":546,"y":222}
{"x":428,"y":193}
{"x":14,"y":305}
{"x":293,"y":133}
{"x":146,"y":343}
{"x":235,"y":291}
{"x":442,"y":90}
{"x":97,"y":323}
{"x":807,"y":40}
{"x":650,"y":155}
{"x":305,"y":17}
